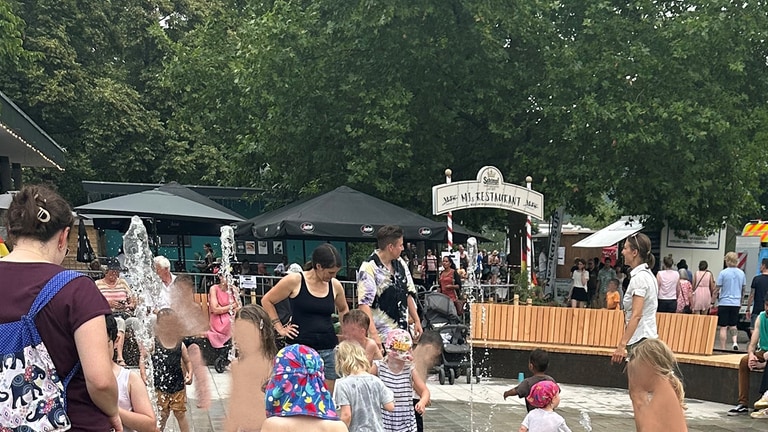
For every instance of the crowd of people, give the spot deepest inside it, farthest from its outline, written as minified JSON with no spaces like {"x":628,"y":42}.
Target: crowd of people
{"x":83,"y":324}
{"x":369,"y":376}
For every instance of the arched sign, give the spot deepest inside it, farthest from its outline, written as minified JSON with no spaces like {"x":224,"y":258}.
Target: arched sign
{"x":489,"y":190}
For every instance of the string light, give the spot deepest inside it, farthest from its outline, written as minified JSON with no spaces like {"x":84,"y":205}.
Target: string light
{"x":30,"y":146}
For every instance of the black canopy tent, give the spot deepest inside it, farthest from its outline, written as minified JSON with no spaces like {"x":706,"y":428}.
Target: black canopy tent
{"x":168,"y":209}
{"x":347,"y":215}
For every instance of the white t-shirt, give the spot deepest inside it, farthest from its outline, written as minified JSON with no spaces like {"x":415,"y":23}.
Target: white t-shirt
{"x":540,"y":420}
{"x":643,"y":284}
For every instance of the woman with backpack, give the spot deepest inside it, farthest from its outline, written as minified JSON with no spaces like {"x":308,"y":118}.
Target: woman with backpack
{"x":70,"y":324}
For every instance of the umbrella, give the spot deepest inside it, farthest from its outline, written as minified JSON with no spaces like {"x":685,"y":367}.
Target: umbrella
{"x":345,"y":214}
{"x":84,"y":250}
{"x":168,"y":209}
{"x":173,"y":209}
{"x":5,"y":200}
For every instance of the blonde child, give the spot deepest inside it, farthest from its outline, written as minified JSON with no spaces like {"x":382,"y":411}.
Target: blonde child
{"x":254,"y":339}
{"x":612,"y":299}
{"x":656,"y":392}
{"x":172,"y":367}
{"x":544,"y":397}
{"x":359,"y":396}
{"x":398,"y":374}
{"x":133,"y":403}
{"x":354,"y":327}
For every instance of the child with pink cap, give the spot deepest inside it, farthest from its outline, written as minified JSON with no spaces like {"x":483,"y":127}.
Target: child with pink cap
{"x":398,"y":374}
{"x":545,"y":397}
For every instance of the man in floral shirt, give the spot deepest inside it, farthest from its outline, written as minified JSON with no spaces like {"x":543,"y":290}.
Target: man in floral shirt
{"x":385,"y":288}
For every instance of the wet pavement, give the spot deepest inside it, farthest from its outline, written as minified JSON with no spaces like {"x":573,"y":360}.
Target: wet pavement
{"x":455,"y":407}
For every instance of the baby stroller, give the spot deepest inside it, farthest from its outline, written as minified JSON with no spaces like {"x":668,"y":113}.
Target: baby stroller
{"x":440,"y":315}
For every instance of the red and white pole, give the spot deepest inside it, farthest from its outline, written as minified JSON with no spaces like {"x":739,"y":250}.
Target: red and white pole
{"x":528,"y":239}
{"x":448,"y":173}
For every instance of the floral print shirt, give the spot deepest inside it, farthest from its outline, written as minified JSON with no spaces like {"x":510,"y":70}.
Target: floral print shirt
{"x":387,"y":291}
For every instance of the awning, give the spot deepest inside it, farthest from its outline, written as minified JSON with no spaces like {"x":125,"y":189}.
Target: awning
{"x":24,"y":142}
{"x":612,"y":234}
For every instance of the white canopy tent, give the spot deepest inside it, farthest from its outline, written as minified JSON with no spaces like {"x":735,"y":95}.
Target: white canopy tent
{"x":612,"y":234}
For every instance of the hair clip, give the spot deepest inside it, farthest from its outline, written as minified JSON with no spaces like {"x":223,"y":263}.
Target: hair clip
{"x":261,"y":324}
{"x":43,"y":215}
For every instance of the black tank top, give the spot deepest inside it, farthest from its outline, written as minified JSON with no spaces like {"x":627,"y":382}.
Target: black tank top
{"x":313,"y":316}
{"x":169,"y":377}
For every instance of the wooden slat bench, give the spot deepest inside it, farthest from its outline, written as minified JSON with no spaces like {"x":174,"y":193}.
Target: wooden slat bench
{"x":202,"y":300}
{"x":571,"y":327}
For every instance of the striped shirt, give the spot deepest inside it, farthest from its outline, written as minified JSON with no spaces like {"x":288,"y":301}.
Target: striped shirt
{"x":119,"y":292}
{"x":402,"y":419}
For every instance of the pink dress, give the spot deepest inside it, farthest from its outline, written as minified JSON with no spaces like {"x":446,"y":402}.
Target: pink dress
{"x":683,"y":295}
{"x":702,"y":298}
{"x":221,"y":324}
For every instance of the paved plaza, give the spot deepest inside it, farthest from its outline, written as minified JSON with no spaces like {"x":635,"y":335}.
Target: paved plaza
{"x":455,"y":406}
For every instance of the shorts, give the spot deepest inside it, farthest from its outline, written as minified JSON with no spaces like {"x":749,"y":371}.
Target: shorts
{"x":579,"y":294}
{"x":494,"y":270}
{"x":176,"y":402}
{"x":727,"y":316}
{"x":329,"y":362}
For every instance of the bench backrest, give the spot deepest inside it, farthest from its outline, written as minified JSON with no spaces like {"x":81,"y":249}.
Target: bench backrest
{"x":684,"y":333}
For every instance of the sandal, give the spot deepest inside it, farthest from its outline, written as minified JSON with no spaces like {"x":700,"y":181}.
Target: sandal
{"x":121,"y":362}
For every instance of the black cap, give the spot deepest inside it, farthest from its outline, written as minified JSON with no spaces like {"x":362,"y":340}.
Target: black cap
{"x":113,"y":264}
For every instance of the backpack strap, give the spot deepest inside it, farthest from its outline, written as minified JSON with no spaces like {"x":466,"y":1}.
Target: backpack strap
{"x":51,"y":289}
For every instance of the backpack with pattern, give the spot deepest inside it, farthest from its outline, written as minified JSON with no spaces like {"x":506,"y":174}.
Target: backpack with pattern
{"x":32,"y":397}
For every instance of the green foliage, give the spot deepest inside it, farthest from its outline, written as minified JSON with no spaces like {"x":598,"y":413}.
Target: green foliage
{"x":643,"y":107}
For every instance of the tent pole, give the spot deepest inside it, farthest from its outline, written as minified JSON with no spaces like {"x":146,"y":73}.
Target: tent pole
{"x":155,"y":243}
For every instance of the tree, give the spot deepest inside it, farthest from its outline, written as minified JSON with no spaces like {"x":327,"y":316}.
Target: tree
{"x":92,"y":84}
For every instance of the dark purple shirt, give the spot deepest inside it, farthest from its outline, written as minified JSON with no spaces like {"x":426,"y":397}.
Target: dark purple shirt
{"x":76,"y":303}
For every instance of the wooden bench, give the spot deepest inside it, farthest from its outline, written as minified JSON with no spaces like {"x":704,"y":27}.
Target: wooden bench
{"x":202,"y":300}
{"x":572,"y":327}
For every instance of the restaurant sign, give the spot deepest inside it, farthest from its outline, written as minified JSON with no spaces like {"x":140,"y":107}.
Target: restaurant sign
{"x":489,"y":190}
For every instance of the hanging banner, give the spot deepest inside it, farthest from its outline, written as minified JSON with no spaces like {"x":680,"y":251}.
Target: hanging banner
{"x":555,"y":231}
{"x":489,"y":190}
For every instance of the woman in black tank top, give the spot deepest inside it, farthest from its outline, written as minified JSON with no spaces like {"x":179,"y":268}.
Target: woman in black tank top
{"x":314,"y":295}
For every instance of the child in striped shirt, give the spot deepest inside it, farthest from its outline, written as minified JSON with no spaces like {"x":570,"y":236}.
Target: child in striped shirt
{"x":397,"y":373}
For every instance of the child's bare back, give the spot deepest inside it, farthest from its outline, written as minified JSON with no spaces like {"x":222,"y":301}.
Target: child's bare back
{"x":248,"y":378}
{"x":302,"y":424}
{"x":372,"y":350}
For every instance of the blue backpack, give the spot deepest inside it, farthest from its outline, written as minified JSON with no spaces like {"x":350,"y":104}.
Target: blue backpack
{"x":32,"y":397}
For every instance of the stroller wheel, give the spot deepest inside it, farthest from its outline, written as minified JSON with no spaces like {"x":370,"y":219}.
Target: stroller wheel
{"x":451,"y":376}
{"x":221,"y":363}
{"x":441,"y":376}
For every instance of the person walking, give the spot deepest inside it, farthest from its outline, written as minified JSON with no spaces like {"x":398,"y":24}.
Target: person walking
{"x":640,"y":299}
{"x":730,"y":284}
{"x":703,"y":287}
{"x":668,"y":280}
{"x":430,"y":268}
{"x":757,"y":293}
{"x":386,"y":292}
